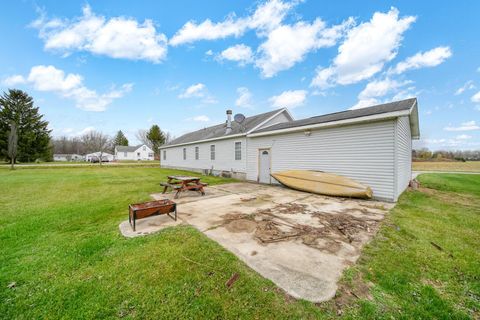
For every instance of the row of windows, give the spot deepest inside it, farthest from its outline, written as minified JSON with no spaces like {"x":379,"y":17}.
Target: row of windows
{"x":238,"y":152}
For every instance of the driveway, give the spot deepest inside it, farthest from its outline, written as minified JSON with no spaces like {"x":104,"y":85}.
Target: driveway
{"x":301,"y":242}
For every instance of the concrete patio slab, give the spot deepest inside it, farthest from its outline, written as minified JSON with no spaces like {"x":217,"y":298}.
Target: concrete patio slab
{"x":301,"y":242}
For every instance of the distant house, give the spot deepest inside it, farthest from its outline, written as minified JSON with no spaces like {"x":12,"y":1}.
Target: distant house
{"x":95,"y":156}
{"x":140,"y":152}
{"x":371,"y":145}
{"x":68,"y":157}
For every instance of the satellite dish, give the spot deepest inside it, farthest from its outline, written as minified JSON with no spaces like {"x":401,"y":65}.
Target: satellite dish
{"x":239,"y":118}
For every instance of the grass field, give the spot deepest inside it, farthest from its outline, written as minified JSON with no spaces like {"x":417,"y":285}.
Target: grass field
{"x":62,"y":256}
{"x":468,"y":166}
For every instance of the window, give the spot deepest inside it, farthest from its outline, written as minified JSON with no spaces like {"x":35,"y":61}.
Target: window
{"x":150,"y":155}
{"x":125,"y":154}
{"x":144,"y":148}
{"x":184,"y":153}
{"x":164,"y":154}
{"x":238,"y":151}
{"x":212,"y":152}
{"x":196,"y":153}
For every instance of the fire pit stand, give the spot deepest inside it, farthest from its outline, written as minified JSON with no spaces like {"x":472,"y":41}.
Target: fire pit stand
{"x":151,"y":208}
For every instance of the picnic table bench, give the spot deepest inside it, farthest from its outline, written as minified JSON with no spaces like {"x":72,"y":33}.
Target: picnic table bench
{"x":183,"y":183}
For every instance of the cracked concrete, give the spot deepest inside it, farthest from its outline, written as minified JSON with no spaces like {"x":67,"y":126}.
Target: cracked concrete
{"x":304,"y":251}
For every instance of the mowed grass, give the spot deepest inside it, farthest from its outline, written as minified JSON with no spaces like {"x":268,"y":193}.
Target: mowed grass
{"x":62,"y":250}
{"x":467,"y":166}
{"x":61,"y":247}
{"x":425,"y":261}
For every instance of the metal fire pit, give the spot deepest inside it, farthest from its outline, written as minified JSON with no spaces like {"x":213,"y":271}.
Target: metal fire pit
{"x":151,"y":208}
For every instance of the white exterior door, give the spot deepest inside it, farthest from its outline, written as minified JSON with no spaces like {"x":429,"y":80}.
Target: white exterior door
{"x":264,"y":158}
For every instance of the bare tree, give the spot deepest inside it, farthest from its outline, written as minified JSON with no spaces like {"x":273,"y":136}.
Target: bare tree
{"x":12,"y":144}
{"x":95,"y":141}
{"x":141,"y":136}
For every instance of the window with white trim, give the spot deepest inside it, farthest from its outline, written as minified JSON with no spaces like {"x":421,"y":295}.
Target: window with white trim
{"x":197,"y":153}
{"x":164,"y":154}
{"x":212,"y":152}
{"x":238,"y":151}
{"x":184,"y":153}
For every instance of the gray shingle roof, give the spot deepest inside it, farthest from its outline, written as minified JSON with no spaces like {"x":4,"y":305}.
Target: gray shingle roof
{"x":218,"y":130}
{"x":128,"y":148}
{"x":343,"y":115}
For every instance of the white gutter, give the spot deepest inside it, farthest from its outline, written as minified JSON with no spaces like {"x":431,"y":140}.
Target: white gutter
{"x":335,"y":123}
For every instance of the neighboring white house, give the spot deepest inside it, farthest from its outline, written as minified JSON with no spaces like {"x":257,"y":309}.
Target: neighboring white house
{"x":371,"y":145}
{"x":140,"y":152}
{"x":93,"y":157}
{"x":68,"y":157}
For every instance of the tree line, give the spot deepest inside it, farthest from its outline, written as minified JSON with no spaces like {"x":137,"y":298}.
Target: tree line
{"x":95,"y":141}
{"x":425,"y":154}
{"x":25,"y":136}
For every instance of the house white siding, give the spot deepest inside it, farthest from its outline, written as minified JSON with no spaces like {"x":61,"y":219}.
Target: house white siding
{"x":142,"y":153}
{"x":224,"y":157}
{"x":403,"y":144}
{"x":364,"y":152}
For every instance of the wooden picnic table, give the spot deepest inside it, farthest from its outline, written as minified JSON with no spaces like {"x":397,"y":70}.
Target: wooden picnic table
{"x":183,"y":183}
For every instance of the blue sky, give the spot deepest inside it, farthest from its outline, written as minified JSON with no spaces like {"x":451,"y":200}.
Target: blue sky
{"x":111,"y":65}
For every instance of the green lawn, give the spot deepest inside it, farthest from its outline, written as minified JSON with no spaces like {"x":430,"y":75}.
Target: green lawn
{"x":60,"y":245}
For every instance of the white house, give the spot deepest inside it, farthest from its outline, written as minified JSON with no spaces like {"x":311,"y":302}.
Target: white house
{"x":93,"y":157}
{"x":371,"y":145}
{"x":68,"y":157}
{"x":140,"y":152}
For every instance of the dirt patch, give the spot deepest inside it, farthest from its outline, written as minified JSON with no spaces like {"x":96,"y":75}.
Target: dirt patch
{"x":241,"y":225}
{"x":273,"y":225}
{"x":356,"y":289}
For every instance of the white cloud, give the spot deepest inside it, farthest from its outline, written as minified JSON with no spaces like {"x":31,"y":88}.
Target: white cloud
{"x":476,"y":97}
{"x":209,"y":52}
{"x":239,"y":53}
{"x":379,"y":88}
{"x":117,"y":37}
{"x":467,"y":86}
{"x":463,"y":137}
{"x":289,"y":99}
{"x":366,"y":49}
{"x":287,"y":45}
{"x":51,"y":79}
{"x":244,"y":98}
{"x":430,"y":58}
{"x":13,"y":80}
{"x":85,"y":131}
{"x":465,"y":126}
{"x":266,"y":17}
{"x":195,"y":90}
{"x":201,"y":118}
{"x":198,"y":90}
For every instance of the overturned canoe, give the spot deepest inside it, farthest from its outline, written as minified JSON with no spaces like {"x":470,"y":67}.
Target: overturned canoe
{"x":323,"y":183}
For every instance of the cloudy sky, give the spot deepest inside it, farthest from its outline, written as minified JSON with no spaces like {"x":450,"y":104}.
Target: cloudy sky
{"x":126,"y":65}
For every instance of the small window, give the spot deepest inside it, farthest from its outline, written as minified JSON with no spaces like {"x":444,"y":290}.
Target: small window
{"x":238,"y":151}
{"x":144,"y":148}
{"x":150,"y":155}
{"x":212,"y":152}
{"x":197,"y":156}
{"x":138,"y":154}
{"x":125,"y":154}
{"x":164,"y":154}
{"x":184,"y":153}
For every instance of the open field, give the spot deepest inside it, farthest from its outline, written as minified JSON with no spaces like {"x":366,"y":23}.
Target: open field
{"x":63,"y":257}
{"x":457,"y":166}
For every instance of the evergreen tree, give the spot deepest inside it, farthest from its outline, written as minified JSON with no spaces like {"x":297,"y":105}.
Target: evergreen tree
{"x":33,"y":135}
{"x":156,"y":138}
{"x":120,"y":139}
